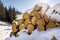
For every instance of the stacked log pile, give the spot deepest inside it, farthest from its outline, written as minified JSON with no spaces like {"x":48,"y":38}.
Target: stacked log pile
{"x":35,"y":20}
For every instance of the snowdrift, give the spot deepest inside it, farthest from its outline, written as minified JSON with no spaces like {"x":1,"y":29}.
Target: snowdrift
{"x":38,"y":35}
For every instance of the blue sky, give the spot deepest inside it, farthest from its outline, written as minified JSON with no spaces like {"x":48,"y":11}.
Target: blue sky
{"x":22,"y":5}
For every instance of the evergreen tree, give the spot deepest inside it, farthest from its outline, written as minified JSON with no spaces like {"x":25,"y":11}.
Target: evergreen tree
{"x":2,"y":12}
{"x":12,"y":13}
{"x":7,"y":14}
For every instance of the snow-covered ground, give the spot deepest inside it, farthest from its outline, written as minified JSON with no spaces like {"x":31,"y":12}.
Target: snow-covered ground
{"x":38,"y":35}
{"x":4,"y":23}
{"x":4,"y":30}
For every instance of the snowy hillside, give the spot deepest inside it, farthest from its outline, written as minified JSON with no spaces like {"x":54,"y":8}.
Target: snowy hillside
{"x":54,"y":12}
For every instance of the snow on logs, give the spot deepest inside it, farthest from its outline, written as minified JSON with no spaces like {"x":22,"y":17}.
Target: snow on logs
{"x":36,"y":19}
